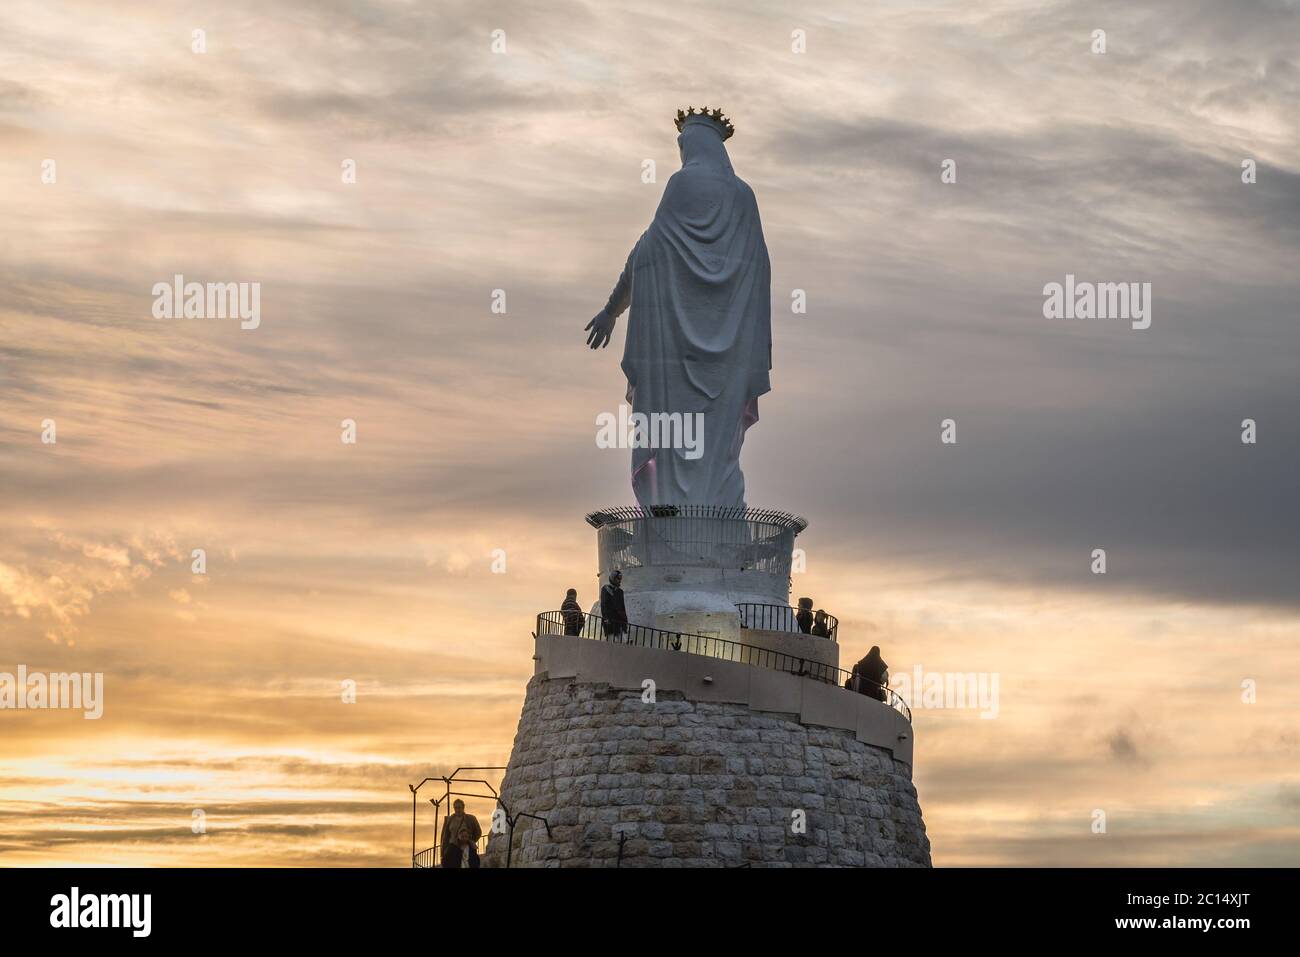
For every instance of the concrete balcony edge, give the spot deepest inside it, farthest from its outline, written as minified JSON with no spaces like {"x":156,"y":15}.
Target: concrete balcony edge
{"x":701,"y":678}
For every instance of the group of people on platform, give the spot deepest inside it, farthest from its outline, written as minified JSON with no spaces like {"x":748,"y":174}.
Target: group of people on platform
{"x":818,"y":624}
{"x":869,"y":677}
{"x":459,"y":839}
{"x":613,"y":610}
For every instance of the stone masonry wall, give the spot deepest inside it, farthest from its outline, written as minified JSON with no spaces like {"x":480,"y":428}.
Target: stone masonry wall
{"x":697,"y":784}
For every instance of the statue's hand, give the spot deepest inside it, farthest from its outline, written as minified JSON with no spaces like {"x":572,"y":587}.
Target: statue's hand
{"x":602,"y":327}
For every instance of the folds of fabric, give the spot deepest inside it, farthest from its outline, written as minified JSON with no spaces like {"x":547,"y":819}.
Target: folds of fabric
{"x":699,"y":334}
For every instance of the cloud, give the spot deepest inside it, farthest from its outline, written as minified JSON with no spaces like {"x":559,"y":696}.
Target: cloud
{"x":1123,"y":748}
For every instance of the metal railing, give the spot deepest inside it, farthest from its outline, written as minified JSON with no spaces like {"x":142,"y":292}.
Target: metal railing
{"x":425,"y":858}
{"x":781,"y":618}
{"x":431,"y":857}
{"x":703,"y":536}
{"x":768,"y":516}
{"x":578,"y":624}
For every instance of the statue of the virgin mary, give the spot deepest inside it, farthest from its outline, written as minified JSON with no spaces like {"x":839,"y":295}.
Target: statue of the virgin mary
{"x":699,"y":334}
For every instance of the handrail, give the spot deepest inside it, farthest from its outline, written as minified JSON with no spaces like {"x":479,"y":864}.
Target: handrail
{"x":430,"y":856}
{"x":422,"y":860}
{"x":779,"y":618}
{"x":593,"y":627}
{"x":636,"y":513}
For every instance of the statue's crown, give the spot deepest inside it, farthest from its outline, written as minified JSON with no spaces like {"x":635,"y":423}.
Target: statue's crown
{"x":704,"y":113}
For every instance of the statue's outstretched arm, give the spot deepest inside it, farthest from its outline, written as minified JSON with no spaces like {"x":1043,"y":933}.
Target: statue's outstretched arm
{"x":602,"y":325}
{"x":621,"y":297}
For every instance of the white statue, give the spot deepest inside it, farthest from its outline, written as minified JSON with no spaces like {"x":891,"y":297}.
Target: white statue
{"x":699,"y":334}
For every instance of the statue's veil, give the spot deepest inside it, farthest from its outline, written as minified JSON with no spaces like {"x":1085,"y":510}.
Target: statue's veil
{"x":699,"y":336}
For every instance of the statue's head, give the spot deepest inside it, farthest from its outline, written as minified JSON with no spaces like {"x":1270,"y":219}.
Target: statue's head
{"x":701,"y":136}
{"x":458,"y":804}
{"x":616,"y":577}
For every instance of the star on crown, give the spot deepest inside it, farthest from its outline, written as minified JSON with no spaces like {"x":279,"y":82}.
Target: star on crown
{"x":716,"y":116}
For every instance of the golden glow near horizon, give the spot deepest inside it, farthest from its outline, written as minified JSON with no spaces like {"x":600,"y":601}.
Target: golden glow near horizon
{"x":373,"y":562}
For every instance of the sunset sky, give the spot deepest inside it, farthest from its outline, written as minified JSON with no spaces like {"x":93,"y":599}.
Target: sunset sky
{"x":522,"y":171}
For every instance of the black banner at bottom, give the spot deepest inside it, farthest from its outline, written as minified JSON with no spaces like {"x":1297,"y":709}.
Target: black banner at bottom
{"x":902,"y":908}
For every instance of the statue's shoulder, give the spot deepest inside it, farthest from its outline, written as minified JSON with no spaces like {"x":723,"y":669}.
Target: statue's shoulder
{"x":746,"y":194}
{"x":693,"y":178}
{"x":689,"y":189}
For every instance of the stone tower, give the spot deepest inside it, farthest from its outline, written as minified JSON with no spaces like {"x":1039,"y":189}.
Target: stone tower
{"x":714,"y":732}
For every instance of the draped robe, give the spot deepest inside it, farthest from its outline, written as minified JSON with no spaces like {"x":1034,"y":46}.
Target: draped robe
{"x":699,"y":334}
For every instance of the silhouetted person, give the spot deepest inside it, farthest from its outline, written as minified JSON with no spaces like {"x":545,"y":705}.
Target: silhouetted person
{"x":870,"y":675}
{"x":821,"y":625}
{"x":804,"y":617}
{"x":451,"y":828}
{"x":573,"y":617}
{"x":463,"y":853}
{"x":612,"y":609}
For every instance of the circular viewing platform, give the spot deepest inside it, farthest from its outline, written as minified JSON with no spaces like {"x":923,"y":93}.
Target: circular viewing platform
{"x":593,"y":627}
{"x":623,"y":513}
{"x":751,"y":540}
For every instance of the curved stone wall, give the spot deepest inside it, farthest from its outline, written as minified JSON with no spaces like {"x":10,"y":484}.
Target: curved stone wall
{"x":681,"y":783}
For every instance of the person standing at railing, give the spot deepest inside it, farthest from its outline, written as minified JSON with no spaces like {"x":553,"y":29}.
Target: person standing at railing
{"x":573,"y":616}
{"x":613,"y":611}
{"x":821,"y":625}
{"x":463,"y":853}
{"x":870,"y":676}
{"x":804,"y":617}
{"x":452,"y":827}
